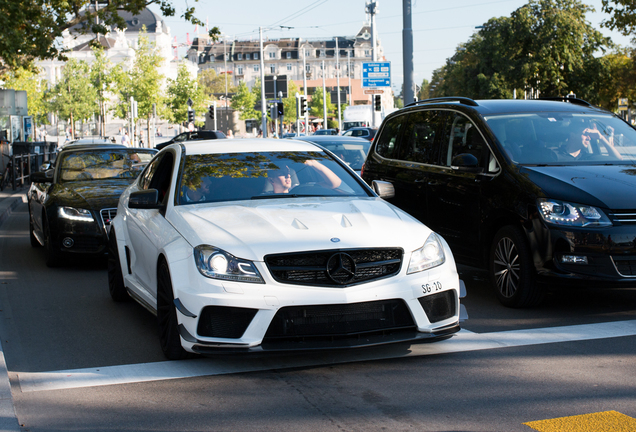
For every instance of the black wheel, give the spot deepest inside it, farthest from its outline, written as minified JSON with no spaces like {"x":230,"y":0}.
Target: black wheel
{"x":512,"y":271}
{"x":115,"y":276}
{"x":167,"y":316}
{"x":53,"y":257}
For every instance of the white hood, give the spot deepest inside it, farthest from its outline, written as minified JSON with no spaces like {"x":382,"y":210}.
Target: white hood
{"x":253,"y":229}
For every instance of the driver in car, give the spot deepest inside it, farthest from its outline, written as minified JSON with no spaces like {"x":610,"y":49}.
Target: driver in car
{"x":281,"y":178}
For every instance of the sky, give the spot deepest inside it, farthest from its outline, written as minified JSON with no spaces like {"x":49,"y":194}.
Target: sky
{"x":438,"y":26}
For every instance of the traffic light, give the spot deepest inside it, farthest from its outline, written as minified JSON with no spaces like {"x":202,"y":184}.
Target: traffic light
{"x":280,"y":109}
{"x":211,"y":112}
{"x":273,"y":112}
{"x":303,"y":106}
{"x":378,"y":102}
{"x":191,"y":116}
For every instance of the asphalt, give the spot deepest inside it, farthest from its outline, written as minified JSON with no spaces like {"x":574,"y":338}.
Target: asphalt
{"x":9,"y":200}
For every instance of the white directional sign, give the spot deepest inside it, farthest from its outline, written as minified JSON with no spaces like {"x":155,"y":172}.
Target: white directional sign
{"x":376,"y":74}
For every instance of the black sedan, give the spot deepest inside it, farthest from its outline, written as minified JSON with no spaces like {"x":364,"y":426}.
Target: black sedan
{"x":71,"y":205}
{"x":192,"y":136}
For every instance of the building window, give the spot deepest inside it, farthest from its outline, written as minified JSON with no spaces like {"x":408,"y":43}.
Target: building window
{"x":255,"y":56}
{"x":307,"y":53}
{"x":256,"y":68}
{"x":367,"y":53}
{"x":239,"y":56}
{"x":272,"y":69}
{"x":289,"y":66}
{"x":308,"y":68}
{"x":247,"y":56}
{"x":272,"y":55}
{"x":288,"y":55}
{"x":239,"y":70}
{"x":323,"y":53}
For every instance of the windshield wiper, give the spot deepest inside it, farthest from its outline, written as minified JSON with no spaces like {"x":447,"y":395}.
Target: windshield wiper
{"x":284,"y":195}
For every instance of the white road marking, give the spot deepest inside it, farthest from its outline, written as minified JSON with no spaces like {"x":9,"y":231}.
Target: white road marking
{"x":461,"y":342}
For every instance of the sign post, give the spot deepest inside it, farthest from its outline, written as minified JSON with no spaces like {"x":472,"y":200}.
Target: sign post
{"x":376,"y":76}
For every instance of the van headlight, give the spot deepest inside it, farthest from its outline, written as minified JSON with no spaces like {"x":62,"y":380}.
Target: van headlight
{"x":215,"y":263}
{"x":569,"y":214}
{"x":428,"y":256}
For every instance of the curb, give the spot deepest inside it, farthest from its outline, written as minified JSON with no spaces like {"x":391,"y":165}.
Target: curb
{"x":8,"y":418}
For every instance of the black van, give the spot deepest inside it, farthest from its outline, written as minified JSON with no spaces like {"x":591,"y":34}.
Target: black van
{"x":532,"y":190}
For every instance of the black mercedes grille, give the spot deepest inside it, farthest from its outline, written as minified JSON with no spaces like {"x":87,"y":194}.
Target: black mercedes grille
{"x":440,"y":306}
{"x":335,"y":268}
{"x":626,"y":266}
{"x":339,"y":320}
{"x":224,"y":322}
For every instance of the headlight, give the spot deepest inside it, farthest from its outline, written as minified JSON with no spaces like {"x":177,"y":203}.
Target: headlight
{"x":570,"y":214}
{"x":428,"y":256}
{"x":218,"y":264}
{"x":81,"y":215}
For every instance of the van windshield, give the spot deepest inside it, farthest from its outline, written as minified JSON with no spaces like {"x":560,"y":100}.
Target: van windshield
{"x":564,"y":138}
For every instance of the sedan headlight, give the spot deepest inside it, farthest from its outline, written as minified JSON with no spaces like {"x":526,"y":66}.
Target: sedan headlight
{"x":215,"y":263}
{"x":569,"y":214}
{"x":80,"y":215}
{"x":428,"y":256}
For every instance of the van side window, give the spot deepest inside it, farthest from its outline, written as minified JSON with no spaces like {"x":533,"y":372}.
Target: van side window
{"x":387,"y":142}
{"x":418,"y":141}
{"x":462,"y":136}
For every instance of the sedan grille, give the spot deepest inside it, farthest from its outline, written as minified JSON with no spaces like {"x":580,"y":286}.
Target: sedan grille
{"x":339,"y":320}
{"x":108,"y":215}
{"x":625,"y":216}
{"x":335,"y":268}
{"x":625,"y":265}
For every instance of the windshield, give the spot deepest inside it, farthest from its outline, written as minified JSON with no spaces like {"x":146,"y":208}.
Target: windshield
{"x":353,"y":155}
{"x":564,"y":138}
{"x":264,"y":175}
{"x":105,"y":164}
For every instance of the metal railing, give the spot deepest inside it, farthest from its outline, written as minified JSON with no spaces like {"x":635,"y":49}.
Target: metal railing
{"x":25,"y":160}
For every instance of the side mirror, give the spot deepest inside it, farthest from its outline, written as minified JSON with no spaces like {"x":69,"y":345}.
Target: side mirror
{"x":145,"y":199}
{"x":46,"y":166}
{"x":42,"y":177}
{"x":383,"y":189}
{"x":466,"y":162}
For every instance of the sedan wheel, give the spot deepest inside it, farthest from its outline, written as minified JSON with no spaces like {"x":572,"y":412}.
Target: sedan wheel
{"x":512,"y":271}
{"x":53,"y":257}
{"x":167,"y":316}
{"x":115,"y":276}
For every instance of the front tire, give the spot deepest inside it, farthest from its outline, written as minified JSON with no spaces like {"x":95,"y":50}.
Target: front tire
{"x":115,"y":275}
{"x":53,"y":258}
{"x":512,"y":271}
{"x":167,"y":316}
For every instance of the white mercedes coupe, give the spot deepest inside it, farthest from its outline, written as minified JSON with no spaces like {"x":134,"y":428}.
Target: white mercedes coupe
{"x":271,"y":245}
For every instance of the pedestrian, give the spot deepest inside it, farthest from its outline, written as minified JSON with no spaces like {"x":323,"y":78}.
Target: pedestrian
{"x":125,"y":140}
{"x":229,"y":133}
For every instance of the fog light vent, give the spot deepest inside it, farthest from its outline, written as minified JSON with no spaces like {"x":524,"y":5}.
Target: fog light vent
{"x":68,"y":242}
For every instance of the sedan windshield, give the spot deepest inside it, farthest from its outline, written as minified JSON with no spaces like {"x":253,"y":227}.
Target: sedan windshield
{"x":264,"y":175}
{"x":103,"y":164}
{"x":564,"y":138}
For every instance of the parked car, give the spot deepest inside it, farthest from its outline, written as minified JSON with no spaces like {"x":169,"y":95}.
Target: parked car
{"x":353,"y":151}
{"x":192,"y":136}
{"x":325,"y":132}
{"x":534,"y":191}
{"x":72,"y":204}
{"x":269,"y":245}
{"x":361,"y":132}
{"x":292,"y":135}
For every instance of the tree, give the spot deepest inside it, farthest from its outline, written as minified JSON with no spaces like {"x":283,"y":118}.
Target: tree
{"x":74,"y":98}
{"x":316,"y":105}
{"x":623,"y":16}
{"x":36,"y":88}
{"x":213,"y":83}
{"x":143,"y":82}
{"x":101,"y":81}
{"x":30,"y":28}
{"x":181,"y":89}
{"x":243,"y":102}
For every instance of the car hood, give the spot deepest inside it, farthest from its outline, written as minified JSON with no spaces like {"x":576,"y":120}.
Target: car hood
{"x":253,"y":229}
{"x":92,"y":194}
{"x":609,"y":186}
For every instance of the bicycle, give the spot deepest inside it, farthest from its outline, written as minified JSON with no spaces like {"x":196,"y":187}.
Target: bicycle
{"x":7,"y":176}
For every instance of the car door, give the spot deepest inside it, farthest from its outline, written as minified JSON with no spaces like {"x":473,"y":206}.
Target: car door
{"x":454,"y":195}
{"x":148,"y":228}
{"x":417,"y":153}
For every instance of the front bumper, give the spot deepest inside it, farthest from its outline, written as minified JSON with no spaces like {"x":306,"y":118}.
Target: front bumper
{"x":216,"y":316}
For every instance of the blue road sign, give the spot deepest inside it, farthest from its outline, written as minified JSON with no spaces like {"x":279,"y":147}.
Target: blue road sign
{"x":377,"y":74}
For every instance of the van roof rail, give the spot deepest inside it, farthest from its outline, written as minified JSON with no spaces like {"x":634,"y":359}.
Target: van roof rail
{"x":460,"y":99}
{"x":572,"y":100}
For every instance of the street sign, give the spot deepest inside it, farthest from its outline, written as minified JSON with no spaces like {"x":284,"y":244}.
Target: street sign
{"x":190,"y":102}
{"x":377,"y":74}
{"x":373,"y":91}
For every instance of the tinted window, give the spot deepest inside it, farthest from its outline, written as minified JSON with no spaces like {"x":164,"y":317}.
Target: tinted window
{"x":461,"y":136}
{"x":101,"y":165}
{"x":418,"y":141}
{"x":387,"y":142}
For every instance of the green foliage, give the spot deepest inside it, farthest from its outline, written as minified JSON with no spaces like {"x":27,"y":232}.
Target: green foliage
{"x":316,"y":105}
{"x":30,"y":28}
{"x":181,"y":89}
{"x":544,"y":48}
{"x":623,"y":15}
{"x":243,"y":102}
{"x":74,"y":97}
{"x":212,"y":83}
